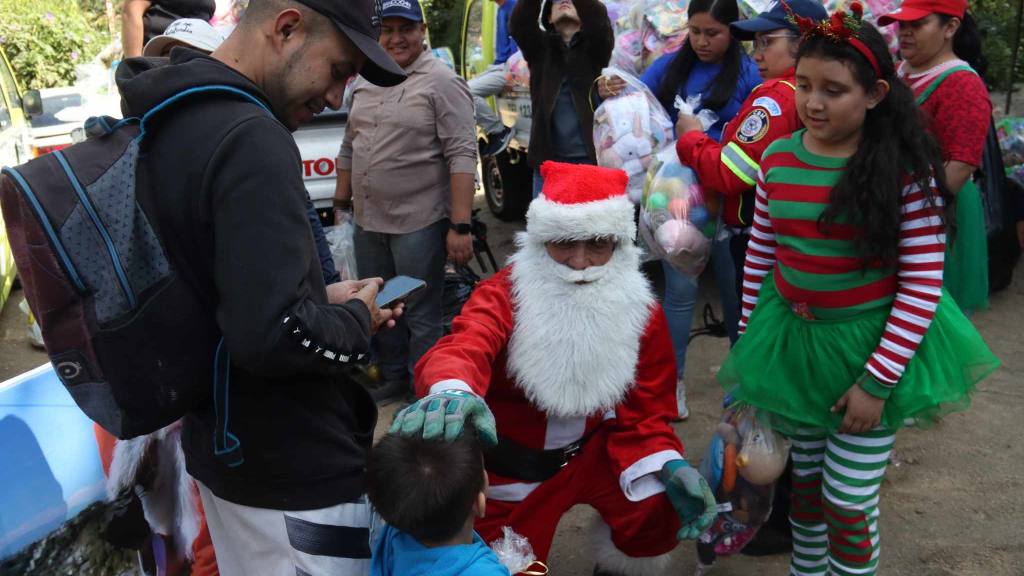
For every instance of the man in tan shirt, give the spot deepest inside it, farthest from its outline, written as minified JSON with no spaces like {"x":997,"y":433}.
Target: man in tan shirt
{"x":406,"y":169}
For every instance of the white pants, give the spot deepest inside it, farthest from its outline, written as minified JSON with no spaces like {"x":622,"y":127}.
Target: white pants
{"x":490,"y":82}
{"x":251,"y":541}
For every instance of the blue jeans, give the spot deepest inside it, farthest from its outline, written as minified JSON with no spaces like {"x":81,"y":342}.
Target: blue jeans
{"x":420,"y":254}
{"x":681,"y":298}
{"x":538,"y":180}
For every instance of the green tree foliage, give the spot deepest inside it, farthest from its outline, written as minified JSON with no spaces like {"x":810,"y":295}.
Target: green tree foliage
{"x":444,"y":20}
{"x":46,"y":39}
{"x":997,"y":20}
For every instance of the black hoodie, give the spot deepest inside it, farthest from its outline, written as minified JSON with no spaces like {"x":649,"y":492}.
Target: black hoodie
{"x":223,"y":177}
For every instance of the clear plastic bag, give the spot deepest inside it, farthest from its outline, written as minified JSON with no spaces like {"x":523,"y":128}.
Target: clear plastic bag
{"x":741,"y":465}
{"x":342,"y":249}
{"x":518,"y":71}
{"x":515,"y":553}
{"x":629,"y":129}
{"x":707,"y":117}
{"x":676,"y":223}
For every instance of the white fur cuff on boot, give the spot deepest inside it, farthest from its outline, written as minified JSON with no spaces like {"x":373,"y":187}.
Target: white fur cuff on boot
{"x":611,"y":560}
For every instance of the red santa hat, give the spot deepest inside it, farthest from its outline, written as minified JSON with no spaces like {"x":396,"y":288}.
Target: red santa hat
{"x":580,"y":201}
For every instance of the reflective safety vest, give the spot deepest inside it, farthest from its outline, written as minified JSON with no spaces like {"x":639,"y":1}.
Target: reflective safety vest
{"x":731,"y":167}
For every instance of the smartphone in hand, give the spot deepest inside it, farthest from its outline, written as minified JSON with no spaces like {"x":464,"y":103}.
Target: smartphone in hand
{"x":399,"y":289}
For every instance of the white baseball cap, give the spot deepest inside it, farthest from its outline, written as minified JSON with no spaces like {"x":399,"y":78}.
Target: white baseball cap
{"x":192,"y":32}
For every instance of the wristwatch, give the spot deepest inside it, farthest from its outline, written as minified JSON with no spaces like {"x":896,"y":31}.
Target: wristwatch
{"x":461,"y":227}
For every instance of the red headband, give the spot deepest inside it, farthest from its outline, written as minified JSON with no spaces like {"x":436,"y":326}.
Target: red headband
{"x":841,"y":27}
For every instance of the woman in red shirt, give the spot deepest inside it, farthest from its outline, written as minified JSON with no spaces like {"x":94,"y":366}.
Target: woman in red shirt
{"x":941,"y":49}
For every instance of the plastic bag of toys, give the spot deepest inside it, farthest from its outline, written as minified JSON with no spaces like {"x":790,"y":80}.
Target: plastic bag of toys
{"x":1011,"y":140}
{"x":675,"y":221}
{"x":741,"y":465}
{"x":518,"y":71}
{"x":646,"y":30}
{"x":629,"y":129}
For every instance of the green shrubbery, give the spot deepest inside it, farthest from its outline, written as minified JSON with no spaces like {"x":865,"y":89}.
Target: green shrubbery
{"x":444,"y":19}
{"x":46,"y":39}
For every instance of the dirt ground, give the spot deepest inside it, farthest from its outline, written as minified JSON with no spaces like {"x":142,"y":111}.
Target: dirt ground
{"x":951,"y":503}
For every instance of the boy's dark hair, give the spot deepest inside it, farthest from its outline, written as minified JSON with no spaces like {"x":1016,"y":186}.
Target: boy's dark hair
{"x":426,"y":488}
{"x":722,"y":86}
{"x":894,"y":146}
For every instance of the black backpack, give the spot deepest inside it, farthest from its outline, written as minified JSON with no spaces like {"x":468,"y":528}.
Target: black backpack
{"x":998,"y":196}
{"x":135,"y":345}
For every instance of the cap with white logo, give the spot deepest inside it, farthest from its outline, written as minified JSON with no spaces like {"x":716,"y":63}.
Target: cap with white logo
{"x":408,"y":9}
{"x":191,"y":32}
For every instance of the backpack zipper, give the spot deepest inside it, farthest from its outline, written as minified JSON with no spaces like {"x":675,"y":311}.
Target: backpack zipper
{"x":91,"y":211}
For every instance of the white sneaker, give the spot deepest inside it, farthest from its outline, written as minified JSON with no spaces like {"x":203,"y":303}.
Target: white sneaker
{"x":684,"y":412}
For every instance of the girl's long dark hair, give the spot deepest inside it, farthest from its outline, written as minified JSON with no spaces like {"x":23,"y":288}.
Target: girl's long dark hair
{"x":722,"y":88}
{"x":893,"y":146}
{"x":967,"y":42}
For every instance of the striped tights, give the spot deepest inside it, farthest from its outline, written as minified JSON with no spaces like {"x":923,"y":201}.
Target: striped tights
{"x":834,"y":512}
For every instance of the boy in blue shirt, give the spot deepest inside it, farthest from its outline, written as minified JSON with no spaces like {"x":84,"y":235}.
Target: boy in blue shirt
{"x":429,"y":493}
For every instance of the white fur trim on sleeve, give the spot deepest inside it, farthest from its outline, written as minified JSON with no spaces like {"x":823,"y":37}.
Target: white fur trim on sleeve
{"x":639,"y":481}
{"x":450,"y":385}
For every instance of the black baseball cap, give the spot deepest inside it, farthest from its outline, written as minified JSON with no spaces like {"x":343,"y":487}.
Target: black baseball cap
{"x":359,"y":20}
{"x":776,"y":17}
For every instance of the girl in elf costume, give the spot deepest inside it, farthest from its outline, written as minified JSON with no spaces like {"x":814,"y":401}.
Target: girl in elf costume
{"x":942,"y":62}
{"x":847,"y":328}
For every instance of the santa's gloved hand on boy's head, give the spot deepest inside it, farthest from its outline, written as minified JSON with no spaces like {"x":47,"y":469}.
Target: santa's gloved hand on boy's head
{"x":443,"y":415}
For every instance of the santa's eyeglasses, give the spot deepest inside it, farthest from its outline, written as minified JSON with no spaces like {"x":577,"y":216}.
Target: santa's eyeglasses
{"x":590,"y":244}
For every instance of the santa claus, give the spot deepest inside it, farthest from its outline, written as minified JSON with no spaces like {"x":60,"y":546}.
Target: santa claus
{"x":563,"y":361}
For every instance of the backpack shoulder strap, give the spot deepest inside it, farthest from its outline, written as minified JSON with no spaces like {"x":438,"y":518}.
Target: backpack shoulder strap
{"x":939,"y":80}
{"x":191,"y":92}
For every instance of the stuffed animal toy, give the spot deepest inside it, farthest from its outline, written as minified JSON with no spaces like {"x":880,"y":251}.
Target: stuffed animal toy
{"x":628,"y":129}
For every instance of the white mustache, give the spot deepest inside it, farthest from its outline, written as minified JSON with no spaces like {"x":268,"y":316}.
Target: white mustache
{"x":587,"y":275}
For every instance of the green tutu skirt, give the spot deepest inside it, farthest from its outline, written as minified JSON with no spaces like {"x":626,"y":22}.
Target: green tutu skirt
{"x":966,"y":270}
{"x":797,"y":369}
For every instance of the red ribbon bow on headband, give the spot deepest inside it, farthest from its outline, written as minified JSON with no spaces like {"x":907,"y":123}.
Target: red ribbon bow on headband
{"x":842,"y":26}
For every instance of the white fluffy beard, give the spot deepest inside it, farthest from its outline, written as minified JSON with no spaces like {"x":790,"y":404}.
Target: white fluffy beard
{"x":575,"y":347}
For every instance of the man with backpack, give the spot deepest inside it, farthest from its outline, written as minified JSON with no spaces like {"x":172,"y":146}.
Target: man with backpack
{"x":279,"y":450}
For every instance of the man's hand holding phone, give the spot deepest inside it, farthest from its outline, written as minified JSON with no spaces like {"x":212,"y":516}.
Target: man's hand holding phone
{"x":366,"y":290}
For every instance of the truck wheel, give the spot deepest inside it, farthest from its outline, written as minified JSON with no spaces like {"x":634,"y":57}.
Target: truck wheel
{"x":508,"y":185}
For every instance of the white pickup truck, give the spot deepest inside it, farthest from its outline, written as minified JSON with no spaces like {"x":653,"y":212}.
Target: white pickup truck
{"x":318,"y":144}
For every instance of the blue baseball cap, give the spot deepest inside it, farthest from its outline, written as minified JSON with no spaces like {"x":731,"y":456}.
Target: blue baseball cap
{"x":408,"y":9}
{"x":776,"y":17}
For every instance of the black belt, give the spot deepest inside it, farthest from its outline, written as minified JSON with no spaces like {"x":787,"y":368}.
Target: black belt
{"x":513,"y":460}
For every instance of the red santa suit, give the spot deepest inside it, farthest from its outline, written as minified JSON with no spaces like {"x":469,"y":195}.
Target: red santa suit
{"x":577,"y":363}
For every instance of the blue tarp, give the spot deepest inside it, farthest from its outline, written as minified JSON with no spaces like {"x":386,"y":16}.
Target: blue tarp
{"x":49,"y":464}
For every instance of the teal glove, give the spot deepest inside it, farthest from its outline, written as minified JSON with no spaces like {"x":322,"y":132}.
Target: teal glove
{"x":690,"y":496}
{"x":444,"y":415}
